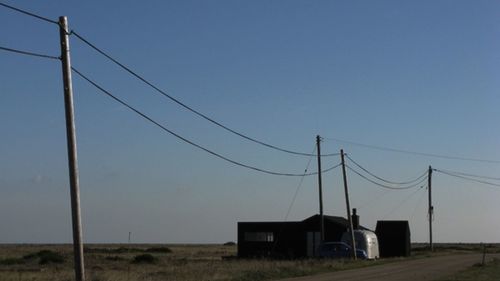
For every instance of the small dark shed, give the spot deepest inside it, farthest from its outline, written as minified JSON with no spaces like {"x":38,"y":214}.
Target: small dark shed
{"x":393,"y":238}
{"x":294,"y":239}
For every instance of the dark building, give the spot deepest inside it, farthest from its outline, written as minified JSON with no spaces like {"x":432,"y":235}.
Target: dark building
{"x":295,"y":239}
{"x":393,"y":238}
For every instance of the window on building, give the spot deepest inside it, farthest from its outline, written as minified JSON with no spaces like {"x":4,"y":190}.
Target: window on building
{"x":259,"y":236}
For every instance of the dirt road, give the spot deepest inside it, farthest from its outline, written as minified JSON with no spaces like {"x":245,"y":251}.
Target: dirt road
{"x":424,"y":269}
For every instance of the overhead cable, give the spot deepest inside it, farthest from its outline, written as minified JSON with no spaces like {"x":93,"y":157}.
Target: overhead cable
{"x":469,"y":175}
{"x":29,"y":53}
{"x":187,"y":107}
{"x":415,"y":152}
{"x":417,"y":205}
{"x":298,"y":187}
{"x":466,"y":178}
{"x":384,"y":180}
{"x":403,"y":202}
{"x":384,"y":185}
{"x":329,"y":169}
{"x":185,"y":139}
{"x":29,"y":13}
{"x":293,"y":201}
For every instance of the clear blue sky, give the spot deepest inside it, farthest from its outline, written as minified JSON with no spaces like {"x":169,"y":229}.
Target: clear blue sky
{"x":411,"y":75}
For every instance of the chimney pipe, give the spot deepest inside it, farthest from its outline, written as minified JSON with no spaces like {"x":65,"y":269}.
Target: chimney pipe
{"x":355,"y":219}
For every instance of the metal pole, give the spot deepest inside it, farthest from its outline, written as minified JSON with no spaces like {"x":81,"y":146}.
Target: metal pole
{"x":72,"y":156}
{"x":321,"y":224}
{"x":346,"y":191}
{"x":484,"y":254}
{"x":431,"y":208}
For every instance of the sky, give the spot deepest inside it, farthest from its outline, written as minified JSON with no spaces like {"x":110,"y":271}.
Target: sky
{"x":418,"y":76}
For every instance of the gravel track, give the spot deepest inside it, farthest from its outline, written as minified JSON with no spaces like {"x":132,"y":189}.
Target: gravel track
{"x":424,"y":269}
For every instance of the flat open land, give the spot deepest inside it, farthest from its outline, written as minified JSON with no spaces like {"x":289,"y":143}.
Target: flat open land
{"x":118,"y":262}
{"x":426,"y":269}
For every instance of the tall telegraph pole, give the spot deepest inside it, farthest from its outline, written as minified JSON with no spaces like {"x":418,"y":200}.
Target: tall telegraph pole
{"x":72,"y":155}
{"x":321,"y":223}
{"x":431,"y":208}
{"x":346,"y":191}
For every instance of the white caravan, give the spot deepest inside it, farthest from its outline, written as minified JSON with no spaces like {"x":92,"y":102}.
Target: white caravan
{"x":365,"y":240}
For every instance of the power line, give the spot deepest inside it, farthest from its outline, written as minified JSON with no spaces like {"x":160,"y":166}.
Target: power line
{"x":415,"y":152}
{"x":331,"y":168}
{"x":188,"y":141}
{"x":466,"y":178}
{"x":28,"y":53}
{"x":29,"y":13}
{"x":470,"y":175}
{"x":384,"y":180}
{"x":177,"y":101}
{"x":371,"y":201}
{"x":384,"y":185}
{"x":298,"y":187}
{"x":293,"y":201}
{"x":402,"y":203}
{"x":417,"y":205}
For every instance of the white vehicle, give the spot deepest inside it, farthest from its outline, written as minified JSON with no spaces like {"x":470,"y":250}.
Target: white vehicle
{"x":365,"y":240}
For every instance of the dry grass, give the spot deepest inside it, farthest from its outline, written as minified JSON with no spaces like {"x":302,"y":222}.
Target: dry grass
{"x":184,"y":262}
{"x":487,"y":272}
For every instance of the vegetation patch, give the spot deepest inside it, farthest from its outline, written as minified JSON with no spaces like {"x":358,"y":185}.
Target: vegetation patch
{"x":45,"y":257}
{"x":145,"y":259}
{"x":114,"y":258}
{"x":124,"y":250}
{"x":120,"y":250}
{"x":230,"y":243}
{"x":163,"y":250}
{"x":12,"y":261}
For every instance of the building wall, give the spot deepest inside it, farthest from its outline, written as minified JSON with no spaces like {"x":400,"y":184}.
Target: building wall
{"x":271,"y":239}
{"x":394,"y":238}
{"x":286,"y":239}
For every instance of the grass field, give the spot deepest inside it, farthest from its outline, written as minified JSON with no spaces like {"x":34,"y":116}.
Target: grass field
{"x":117,"y":262}
{"x":487,"y":272}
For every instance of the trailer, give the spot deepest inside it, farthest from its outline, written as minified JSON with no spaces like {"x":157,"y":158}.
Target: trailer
{"x":365,"y":240}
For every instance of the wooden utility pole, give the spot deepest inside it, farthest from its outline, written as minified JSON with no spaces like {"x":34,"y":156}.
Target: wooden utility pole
{"x":321,"y":221}
{"x":346,"y":191}
{"x":431,"y":208}
{"x":72,"y":155}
